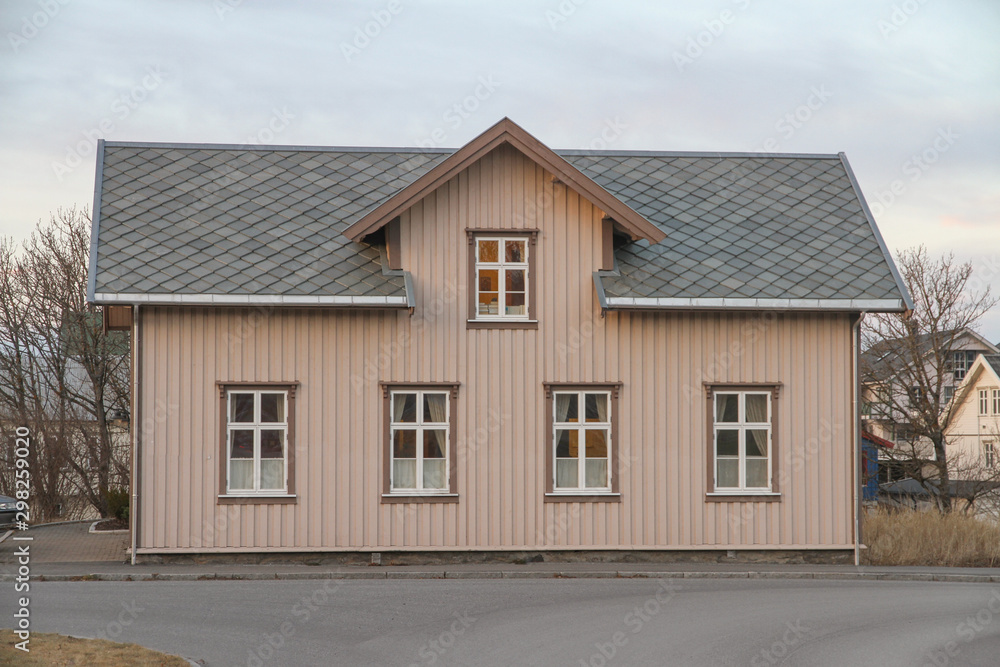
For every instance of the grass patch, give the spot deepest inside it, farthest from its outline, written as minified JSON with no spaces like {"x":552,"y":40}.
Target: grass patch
{"x":50,"y":649}
{"x":929,"y":538}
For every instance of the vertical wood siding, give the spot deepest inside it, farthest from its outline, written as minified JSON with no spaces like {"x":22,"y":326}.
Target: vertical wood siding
{"x":339,"y":357}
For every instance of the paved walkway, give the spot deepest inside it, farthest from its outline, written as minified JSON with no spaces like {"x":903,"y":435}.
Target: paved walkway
{"x":66,"y":543}
{"x":68,"y":551}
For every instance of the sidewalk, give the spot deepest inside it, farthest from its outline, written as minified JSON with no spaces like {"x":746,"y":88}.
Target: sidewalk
{"x":68,"y":552}
{"x":109,"y":571}
{"x":66,"y":543}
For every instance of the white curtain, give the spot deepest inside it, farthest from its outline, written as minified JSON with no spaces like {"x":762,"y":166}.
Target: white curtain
{"x":567,"y":472}
{"x":437,"y":409}
{"x":241,"y":475}
{"x":602,"y":407}
{"x":272,"y":474}
{"x":756,"y":408}
{"x":404,"y":474}
{"x":398,"y":400}
{"x":597,"y":473}
{"x":563,"y":403}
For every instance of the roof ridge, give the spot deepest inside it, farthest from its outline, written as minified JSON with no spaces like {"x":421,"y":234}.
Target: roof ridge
{"x":441,"y":150}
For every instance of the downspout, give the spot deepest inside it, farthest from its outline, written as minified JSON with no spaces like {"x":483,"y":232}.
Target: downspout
{"x":856,"y":413}
{"x":136,"y":429}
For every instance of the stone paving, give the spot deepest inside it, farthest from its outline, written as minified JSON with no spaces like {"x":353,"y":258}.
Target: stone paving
{"x":66,"y":543}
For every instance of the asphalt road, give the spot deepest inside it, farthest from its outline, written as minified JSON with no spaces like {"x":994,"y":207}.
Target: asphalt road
{"x":569,"y":622}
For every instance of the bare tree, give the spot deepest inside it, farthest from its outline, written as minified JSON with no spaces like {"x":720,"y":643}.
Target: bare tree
{"x":59,"y":374}
{"x":908,"y":363}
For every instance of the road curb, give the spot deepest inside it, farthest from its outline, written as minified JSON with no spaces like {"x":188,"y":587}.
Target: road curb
{"x":509,"y":574}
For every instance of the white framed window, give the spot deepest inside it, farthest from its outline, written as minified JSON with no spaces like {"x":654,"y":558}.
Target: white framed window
{"x":996,"y":401}
{"x":990,"y":454}
{"x":962,"y":361}
{"x":742,"y":444}
{"x":582,"y":441}
{"x":501,"y":267}
{"x":257,"y":426}
{"x":419,"y":436}
{"x":984,"y":402}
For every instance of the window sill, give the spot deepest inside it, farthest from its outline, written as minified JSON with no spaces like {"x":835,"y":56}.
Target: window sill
{"x":742,"y":497}
{"x":258,"y":499}
{"x":419,"y":498}
{"x":583,"y":497}
{"x":501,"y":324}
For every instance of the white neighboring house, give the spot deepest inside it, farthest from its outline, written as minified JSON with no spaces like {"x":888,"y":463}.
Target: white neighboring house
{"x":974,"y":433}
{"x":879,"y":417}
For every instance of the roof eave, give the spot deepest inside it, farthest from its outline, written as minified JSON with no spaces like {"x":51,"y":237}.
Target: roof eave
{"x":95,"y":223}
{"x":907,"y":299}
{"x":163,"y":299}
{"x":725,"y":303}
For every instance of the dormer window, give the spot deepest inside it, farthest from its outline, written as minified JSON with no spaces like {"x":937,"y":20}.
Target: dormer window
{"x":502,"y":271}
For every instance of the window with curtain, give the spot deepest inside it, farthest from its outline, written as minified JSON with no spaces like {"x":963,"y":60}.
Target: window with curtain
{"x":582,"y":441}
{"x":256,"y":442}
{"x":418,"y":432}
{"x":742,"y":441}
{"x":501,"y":278}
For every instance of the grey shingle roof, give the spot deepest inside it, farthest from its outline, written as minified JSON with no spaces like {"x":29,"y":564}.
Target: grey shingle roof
{"x":994,"y":361}
{"x":761,"y":227}
{"x":214,"y":220}
{"x":270,"y":221}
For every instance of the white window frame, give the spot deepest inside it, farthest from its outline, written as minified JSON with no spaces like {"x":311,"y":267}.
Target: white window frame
{"x":256,"y":426}
{"x":419,"y":426}
{"x":742,"y":426}
{"x":582,"y":426}
{"x":990,"y":453}
{"x":996,"y":401}
{"x":984,"y":402}
{"x":502,"y":266}
{"x":961,"y":362}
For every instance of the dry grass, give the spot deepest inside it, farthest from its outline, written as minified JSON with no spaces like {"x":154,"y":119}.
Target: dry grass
{"x":49,"y":649}
{"x":929,"y":538}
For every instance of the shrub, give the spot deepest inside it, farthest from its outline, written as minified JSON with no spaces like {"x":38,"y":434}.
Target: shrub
{"x":118,"y":502}
{"x":929,"y":538}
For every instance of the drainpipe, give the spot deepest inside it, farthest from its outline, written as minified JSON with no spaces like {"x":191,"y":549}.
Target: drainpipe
{"x":136,"y":428}
{"x":856,"y":416}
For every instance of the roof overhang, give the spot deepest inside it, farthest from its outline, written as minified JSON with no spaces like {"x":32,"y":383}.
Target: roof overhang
{"x":506,"y":132}
{"x":685,"y":303}
{"x":255,"y":300}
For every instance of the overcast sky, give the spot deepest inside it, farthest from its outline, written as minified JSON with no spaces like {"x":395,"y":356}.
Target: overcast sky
{"x":908,"y":89}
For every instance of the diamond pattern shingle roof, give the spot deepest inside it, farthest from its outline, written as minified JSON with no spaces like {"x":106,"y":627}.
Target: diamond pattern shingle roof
{"x":238,"y":221}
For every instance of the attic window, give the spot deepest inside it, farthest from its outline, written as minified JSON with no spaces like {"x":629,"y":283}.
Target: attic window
{"x":501,"y":271}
